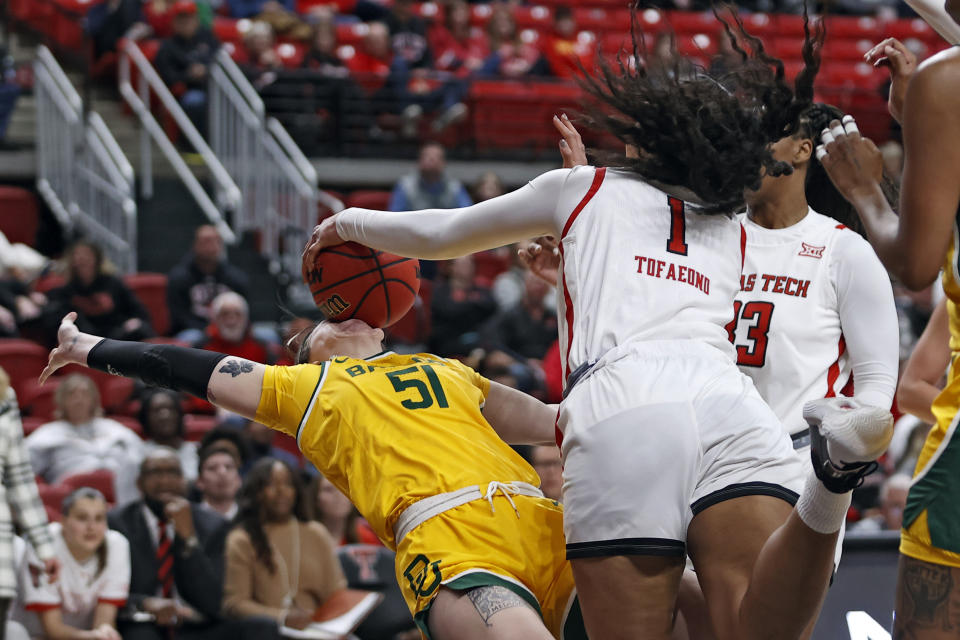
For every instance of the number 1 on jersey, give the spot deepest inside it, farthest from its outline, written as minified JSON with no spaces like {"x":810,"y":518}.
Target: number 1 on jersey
{"x":677,"y":242}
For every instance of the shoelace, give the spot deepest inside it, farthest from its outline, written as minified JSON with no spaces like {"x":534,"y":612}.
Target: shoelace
{"x":507,"y":489}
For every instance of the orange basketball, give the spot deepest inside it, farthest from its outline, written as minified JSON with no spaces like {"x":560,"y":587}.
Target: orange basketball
{"x":353,"y":281}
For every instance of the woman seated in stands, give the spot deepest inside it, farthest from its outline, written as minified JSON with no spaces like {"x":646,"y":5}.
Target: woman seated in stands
{"x":80,"y":439}
{"x":104,"y":304}
{"x":335,"y":512}
{"x":279,"y":564}
{"x":94,"y":575}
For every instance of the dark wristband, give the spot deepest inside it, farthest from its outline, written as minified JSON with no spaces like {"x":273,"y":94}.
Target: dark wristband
{"x":159,"y":365}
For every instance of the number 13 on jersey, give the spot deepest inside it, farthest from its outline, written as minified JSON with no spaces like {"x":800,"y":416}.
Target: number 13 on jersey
{"x":759,"y":314}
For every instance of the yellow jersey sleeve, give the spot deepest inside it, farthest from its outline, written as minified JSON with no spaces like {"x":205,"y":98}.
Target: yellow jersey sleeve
{"x":471,"y":376}
{"x":286,"y":395}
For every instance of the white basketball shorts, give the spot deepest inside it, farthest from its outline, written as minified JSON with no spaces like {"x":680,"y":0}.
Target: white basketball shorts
{"x":657,"y":432}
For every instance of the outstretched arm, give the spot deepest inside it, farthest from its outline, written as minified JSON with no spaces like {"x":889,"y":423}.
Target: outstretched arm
{"x":229,"y":382}
{"x":438,"y":234}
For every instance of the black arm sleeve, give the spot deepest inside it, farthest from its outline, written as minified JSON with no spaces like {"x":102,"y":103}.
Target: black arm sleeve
{"x":161,"y":365}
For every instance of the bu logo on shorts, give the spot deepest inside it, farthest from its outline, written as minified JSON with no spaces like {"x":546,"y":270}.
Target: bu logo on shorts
{"x":421,"y":571}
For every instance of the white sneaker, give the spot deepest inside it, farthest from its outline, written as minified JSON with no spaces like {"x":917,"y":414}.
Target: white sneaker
{"x":846,"y":438}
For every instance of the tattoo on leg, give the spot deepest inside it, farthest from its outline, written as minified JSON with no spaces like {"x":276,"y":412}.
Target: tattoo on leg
{"x":235,"y":368}
{"x":489,"y":600}
{"x":922,"y":598}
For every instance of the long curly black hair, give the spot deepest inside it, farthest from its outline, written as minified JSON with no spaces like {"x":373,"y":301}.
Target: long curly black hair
{"x":250,"y":506}
{"x":708,"y":133}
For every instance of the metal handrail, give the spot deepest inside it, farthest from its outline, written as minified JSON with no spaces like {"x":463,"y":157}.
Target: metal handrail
{"x":229,"y":195}
{"x":240,"y":82}
{"x":82,"y":173}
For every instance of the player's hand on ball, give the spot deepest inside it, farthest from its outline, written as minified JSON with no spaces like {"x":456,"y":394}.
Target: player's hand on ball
{"x":853,"y":162}
{"x":902,"y":62}
{"x":324,"y":235}
{"x":542,"y":257}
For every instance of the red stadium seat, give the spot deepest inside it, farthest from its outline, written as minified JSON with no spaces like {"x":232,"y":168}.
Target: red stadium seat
{"x":22,"y":360}
{"x":197,"y":426}
{"x":31,"y":424}
{"x":229,"y":29}
{"x":151,"y":290}
{"x":48,"y":282}
{"x":537,"y":17}
{"x":854,"y":27}
{"x":52,"y":496}
{"x":352,"y":33}
{"x":836,"y":49}
{"x":100,"y":479}
{"x":480,"y":14}
{"x":288,"y":444}
{"x":696,"y":45}
{"x":67,"y":25}
{"x":692,"y":21}
{"x":368,"y":199}
{"x":290,"y":54}
{"x":908,"y":28}
{"x":19,"y":215}
{"x":37,"y":401}
{"x":761,"y":25}
{"x":115,"y":394}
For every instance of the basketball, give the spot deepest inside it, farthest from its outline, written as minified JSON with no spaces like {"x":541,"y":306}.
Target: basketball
{"x":353,"y":281}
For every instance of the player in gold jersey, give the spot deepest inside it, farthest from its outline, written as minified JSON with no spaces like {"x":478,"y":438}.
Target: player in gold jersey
{"x":415,"y":442}
{"x":914,"y":247}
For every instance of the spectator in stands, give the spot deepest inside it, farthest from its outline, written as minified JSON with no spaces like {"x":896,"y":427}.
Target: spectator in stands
{"x":262,"y":61}
{"x":81,"y":439}
{"x":893,"y":500}
{"x":459,"y":309}
{"x":183,"y":59}
{"x":564,"y":51}
{"x":279,"y":14}
{"x":94,"y":577}
{"x":18,"y":307}
{"x":280,"y":564}
{"x":546,"y":462}
{"x":229,"y":331}
{"x":488,"y":185}
{"x":664,"y":54}
{"x":232,"y":440}
{"x":322,"y":56}
{"x":19,"y":500}
{"x":103,"y":303}
{"x":530,"y":327}
{"x":511,"y":57}
{"x":161,"y":417}
{"x":201,"y":276}
{"x":371,"y":63}
{"x":457,"y":47}
{"x":338,"y":515}
{"x":176,"y":561}
{"x":108,"y":22}
{"x":260,"y":439}
{"x":219,"y":480}
{"x":429,"y":187}
{"x":408,"y":35}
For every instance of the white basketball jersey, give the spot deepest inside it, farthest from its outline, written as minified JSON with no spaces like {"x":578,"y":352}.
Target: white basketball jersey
{"x":787,"y":329}
{"x":638,"y":265}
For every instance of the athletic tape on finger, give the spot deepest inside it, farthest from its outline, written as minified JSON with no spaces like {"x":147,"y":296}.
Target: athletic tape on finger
{"x":838,"y":131}
{"x":821,"y":153}
{"x":826,"y":137}
{"x":850,"y":125}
